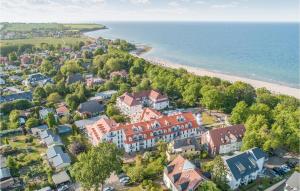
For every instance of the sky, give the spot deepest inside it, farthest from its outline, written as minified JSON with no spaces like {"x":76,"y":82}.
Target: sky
{"x":148,"y":10}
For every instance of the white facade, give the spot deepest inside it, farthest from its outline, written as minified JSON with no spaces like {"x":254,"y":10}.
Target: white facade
{"x":228,"y":148}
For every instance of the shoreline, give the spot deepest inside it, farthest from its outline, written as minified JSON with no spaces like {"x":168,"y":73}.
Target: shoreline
{"x":274,"y":88}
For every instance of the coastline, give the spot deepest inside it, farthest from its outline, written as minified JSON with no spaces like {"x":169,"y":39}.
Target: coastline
{"x":274,"y":88}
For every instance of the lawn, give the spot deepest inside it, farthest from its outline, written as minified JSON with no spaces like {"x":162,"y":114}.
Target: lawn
{"x":208,"y":119}
{"x":156,"y":187}
{"x":50,"y":40}
{"x":28,"y":27}
{"x":30,"y":166}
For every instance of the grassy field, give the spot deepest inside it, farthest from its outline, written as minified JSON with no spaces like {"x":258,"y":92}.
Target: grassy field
{"x":208,"y":119}
{"x":49,"y":40}
{"x":27,"y":27}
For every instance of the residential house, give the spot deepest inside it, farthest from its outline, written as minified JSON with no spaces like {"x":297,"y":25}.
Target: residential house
{"x":73,"y":78}
{"x":61,"y":161}
{"x":90,"y":108}
{"x":182,"y":175}
{"x":15,"y":78}
{"x":244,"y":167}
{"x":6,"y":180}
{"x":43,"y":113}
{"x":293,"y":184}
{"x":223,"y":140}
{"x":142,"y":135}
{"x":148,"y":114}
{"x":57,"y":158}
{"x":62,"y":110}
{"x":61,"y":178}
{"x":132,"y":103}
{"x":106,"y":94}
{"x":36,"y":131}
{"x":49,"y":138}
{"x":82,"y":123}
{"x":90,"y":82}
{"x":3,"y":60}
{"x":25,"y":59}
{"x":121,"y":73}
{"x":37,"y":79}
{"x":2,"y":81}
{"x":184,"y":147}
{"x":16,"y":96}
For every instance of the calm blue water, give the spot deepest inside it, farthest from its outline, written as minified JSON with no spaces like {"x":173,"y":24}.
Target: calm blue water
{"x":263,"y":51}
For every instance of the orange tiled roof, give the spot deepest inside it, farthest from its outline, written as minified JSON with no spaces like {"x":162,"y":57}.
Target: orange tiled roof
{"x":183,"y":174}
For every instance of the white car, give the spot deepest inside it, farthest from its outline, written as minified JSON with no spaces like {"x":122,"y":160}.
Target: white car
{"x":109,"y":188}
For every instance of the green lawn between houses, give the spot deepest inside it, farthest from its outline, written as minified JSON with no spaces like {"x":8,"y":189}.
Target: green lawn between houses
{"x":50,"y":40}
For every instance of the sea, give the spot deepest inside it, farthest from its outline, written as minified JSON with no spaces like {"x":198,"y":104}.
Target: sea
{"x":261,"y":51}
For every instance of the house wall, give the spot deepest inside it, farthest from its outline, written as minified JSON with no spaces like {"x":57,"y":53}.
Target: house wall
{"x":236,"y":146}
{"x":169,"y":183}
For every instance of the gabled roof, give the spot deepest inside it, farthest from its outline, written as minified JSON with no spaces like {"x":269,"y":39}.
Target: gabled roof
{"x":46,"y":133}
{"x":223,"y":136}
{"x":184,"y":174}
{"x":16,"y":96}
{"x":91,"y":106}
{"x":4,"y":173}
{"x":60,"y":178}
{"x":178,"y":143}
{"x":54,"y":151}
{"x":52,"y":139}
{"x":258,"y":153}
{"x":241,"y":164}
{"x":61,"y":159}
{"x":73,"y":78}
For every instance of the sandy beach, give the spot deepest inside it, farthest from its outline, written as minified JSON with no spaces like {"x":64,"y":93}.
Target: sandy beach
{"x":275,"y":88}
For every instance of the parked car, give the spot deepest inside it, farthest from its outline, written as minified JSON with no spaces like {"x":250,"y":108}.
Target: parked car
{"x":125,"y":180}
{"x":109,"y":188}
{"x":278,"y":171}
{"x":273,"y":173}
{"x":63,"y":188}
{"x":285,"y":168}
{"x":291,"y":164}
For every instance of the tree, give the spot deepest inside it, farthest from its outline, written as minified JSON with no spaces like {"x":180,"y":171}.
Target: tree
{"x":98,"y":51}
{"x":219,"y":172}
{"x":47,"y":67}
{"x":239,"y":113}
{"x":31,"y":122}
{"x":50,"y":120}
{"x":114,"y":64}
{"x":208,"y":186}
{"x":77,"y":147}
{"x":70,"y":67}
{"x":257,"y":132}
{"x":111,"y":110}
{"x":96,"y":165}
{"x":239,"y":91}
{"x":12,"y":56}
{"x":212,"y":98}
{"x":191,"y":94}
{"x":54,"y":98}
{"x":39,"y":93}
{"x":14,"y":119}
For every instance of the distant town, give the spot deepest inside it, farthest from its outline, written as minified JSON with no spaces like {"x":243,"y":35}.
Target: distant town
{"x":87,"y":114}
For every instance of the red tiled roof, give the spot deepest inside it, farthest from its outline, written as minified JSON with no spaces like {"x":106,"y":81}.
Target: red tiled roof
{"x":149,"y":113}
{"x":62,"y":108}
{"x":182,"y":171}
{"x":132,"y":99}
{"x":165,"y":124}
{"x":222,"y":136}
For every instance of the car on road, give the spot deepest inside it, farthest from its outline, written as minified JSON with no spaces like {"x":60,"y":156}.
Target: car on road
{"x":109,"y":188}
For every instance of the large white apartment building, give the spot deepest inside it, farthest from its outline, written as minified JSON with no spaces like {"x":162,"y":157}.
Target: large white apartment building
{"x":144,"y":134}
